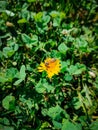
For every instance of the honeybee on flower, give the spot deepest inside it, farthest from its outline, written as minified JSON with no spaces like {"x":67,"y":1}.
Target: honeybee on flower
{"x":51,"y":66}
{"x":50,"y":62}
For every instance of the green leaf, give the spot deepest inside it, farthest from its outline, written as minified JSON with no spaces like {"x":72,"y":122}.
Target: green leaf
{"x":8,"y":52}
{"x":53,"y":112}
{"x":87,"y":94}
{"x":3,"y":5}
{"x":22,"y":72}
{"x":96,"y":82}
{"x":54,"y":14}
{"x":46,"y":19}
{"x":30,"y":41}
{"x":3,"y":79}
{"x":77,"y":103}
{"x":4,"y":121}
{"x":56,"y":112}
{"x":67,"y":125}
{"x":2,"y":127}
{"x":18,"y":82}
{"x":21,"y":75}
{"x":64,"y":65}
{"x":62,"y":48}
{"x":76,"y":69}
{"x":38,"y":17}
{"x":56,"y":21}
{"x":22,"y":21}
{"x":26,"y":38}
{"x":44,"y":125}
{"x":42,"y":21}
{"x":68,"y":77}
{"x":81,"y":44}
{"x":57,"y":17}
{"x":1,"y":55}
{"x":94,"y":125}
{"x":9,"y":102}
{"x":31,"y":1}
{"x":42,"y":87}
{"x":72,"y":69}
{"x":9,"y":13}
{"x":57,"y":124}
{"x":11,"y":73}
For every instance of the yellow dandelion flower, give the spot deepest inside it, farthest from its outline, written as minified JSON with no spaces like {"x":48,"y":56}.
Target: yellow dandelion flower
{"x":51,"y":66}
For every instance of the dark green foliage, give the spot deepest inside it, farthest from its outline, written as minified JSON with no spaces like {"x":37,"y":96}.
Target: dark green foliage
{"x":31,"y":31}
